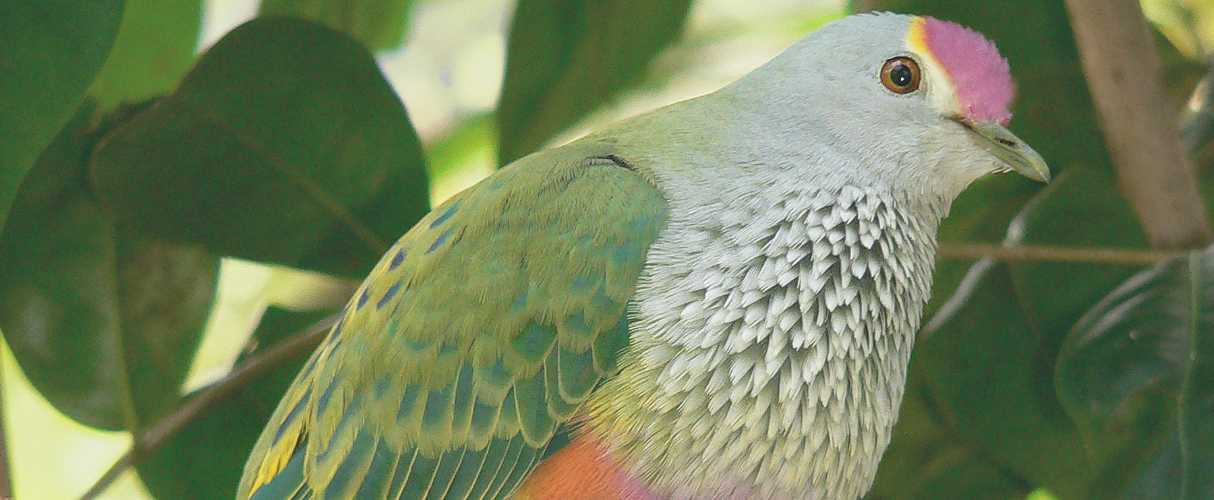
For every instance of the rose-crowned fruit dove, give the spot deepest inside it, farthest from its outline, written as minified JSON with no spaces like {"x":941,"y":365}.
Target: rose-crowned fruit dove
{"x":716,"y":299}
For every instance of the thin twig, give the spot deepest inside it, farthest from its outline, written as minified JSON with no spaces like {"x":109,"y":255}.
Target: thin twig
{"x":253,"y":368}
{"x":1090,"y":255}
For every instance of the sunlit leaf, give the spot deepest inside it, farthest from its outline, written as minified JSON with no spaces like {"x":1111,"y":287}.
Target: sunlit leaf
{"x":379,"y":24}
{"x":50,"y":51}
{"x":206,"y":458}
{"x":284,"y":144}
{"x":564,"y":59}
{"x":103,"y":321}
{"x":154,"y":48}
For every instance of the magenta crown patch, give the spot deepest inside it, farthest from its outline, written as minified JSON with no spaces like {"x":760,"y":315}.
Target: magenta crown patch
{"x":980,"y":76}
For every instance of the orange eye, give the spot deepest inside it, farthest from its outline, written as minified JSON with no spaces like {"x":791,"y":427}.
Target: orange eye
{"x":901,"y":75}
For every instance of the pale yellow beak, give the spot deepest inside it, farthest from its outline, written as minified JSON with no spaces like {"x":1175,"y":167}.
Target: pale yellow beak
{"x":1013,"y":152}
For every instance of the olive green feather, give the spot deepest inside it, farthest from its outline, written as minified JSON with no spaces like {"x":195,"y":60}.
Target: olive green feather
{"x":477,"y":335}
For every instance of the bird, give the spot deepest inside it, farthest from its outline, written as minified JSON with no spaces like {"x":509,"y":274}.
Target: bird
{"x":714,"y":299}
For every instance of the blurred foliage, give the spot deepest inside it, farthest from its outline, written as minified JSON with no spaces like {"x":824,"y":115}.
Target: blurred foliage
{"x":566,"y":58}
{"x":189,"y":465}
{"x":1134,"y":375}
{"x":280,"y":113}
{"x":52,"y":51}
{"x":284,"y":144}
{"x":79,"y":290}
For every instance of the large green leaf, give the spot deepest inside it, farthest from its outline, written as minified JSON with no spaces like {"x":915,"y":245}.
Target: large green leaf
{"x":1125,"y":367}
{"x":981,"y":214}
{"x":104,"y":322}
{"x":928,"y":460}
{"x":379,"y":24}
{"x":206,"y":458}
{"x":50,"y":51}
{"x":989,"y":353}
{"x":155,"y":47}
{"x":284,"y":144}
{"x":566,"y":58}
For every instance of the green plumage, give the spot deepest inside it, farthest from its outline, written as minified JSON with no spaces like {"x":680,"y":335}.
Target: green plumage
{"x":479,"y":333}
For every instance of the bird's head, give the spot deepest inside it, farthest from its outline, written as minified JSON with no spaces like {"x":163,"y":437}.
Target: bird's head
{"x":912,"y":100}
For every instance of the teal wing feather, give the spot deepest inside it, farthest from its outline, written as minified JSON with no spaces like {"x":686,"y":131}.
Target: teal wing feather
{"x":478,"y":335}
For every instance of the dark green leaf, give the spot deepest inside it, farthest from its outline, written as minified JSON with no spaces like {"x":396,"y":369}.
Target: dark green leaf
{"x":206,"y":458}
{"x":989,"y":353}
{"x":379,"y":24}
{"x":1123,"y":369}
{"x":981,"y":356}
{"x":284,"y":144}
{"x":104,"y":322}
{"x":566,"y":58}
{"x":155,"y":47}
{"x":980,"y":214}
{"x":927,"y":460}
{"x":50,"y":50}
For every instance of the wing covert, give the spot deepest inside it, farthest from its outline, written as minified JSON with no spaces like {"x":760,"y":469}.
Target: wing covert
{"x":478,"y":334}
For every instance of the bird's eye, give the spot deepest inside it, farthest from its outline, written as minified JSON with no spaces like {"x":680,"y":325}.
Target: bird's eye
{"x":901,"y":75}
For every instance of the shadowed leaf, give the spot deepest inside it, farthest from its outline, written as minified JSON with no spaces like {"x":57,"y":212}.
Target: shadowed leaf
{"x":1125,"y":367}
{"x":988,"y":355}
{"x":284,"y":144}
{"x":206,"y":458}
{"x":103,"y":321}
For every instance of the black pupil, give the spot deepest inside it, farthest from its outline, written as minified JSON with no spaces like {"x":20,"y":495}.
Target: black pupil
{"x":901,"y":75}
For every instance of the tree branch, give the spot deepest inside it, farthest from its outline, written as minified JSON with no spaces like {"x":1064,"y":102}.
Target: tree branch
{"x":253,"y":368}
{"x":1090,"y":255}
{"x":1123,"y":74}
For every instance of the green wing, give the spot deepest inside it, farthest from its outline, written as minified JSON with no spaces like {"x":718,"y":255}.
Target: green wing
{"x":476,"y":336}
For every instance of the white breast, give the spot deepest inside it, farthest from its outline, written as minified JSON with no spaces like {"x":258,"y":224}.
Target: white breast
{"x":769,"y":345}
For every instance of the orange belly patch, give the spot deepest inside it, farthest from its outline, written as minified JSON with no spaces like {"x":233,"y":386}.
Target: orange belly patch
{"x":581,"y":470}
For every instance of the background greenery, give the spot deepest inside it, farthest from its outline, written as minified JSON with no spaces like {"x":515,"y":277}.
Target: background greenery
{"x":181,"y":190}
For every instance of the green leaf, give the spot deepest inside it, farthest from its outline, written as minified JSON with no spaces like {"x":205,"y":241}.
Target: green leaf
{"x":206,"y":458}
{"x":928,"y":460}
{"x":565,"y":59}
{"x":155,"y":47}
{"x":981,"y":214}
{"x":50,"y":50}
{"x":989,"y":353}
{"x":982,"y":359}
{"x":284,"y":144}
{"x":103,"y":321}
{"x":1146,"y":347}
{"x":378,"y":24}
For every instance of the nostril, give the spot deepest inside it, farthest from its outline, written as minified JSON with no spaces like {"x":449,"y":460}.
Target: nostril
{"x":1005,"y":142}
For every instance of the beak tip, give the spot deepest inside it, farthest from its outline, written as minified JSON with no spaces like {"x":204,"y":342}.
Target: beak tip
{"x":1010,"y":150}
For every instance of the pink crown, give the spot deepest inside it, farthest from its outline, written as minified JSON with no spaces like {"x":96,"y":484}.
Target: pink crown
{"x":980,"y":76}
